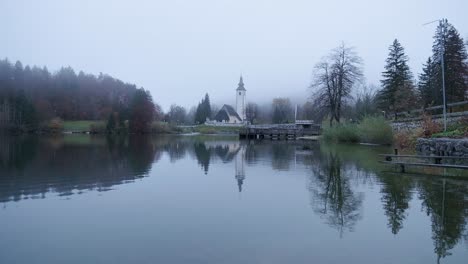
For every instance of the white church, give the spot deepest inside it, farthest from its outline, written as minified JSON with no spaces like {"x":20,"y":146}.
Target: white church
{"x":227,"y":115}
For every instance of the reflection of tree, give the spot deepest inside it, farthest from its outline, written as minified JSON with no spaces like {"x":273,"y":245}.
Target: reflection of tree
{"x":396,"y":195}
{"x":203,"y":155}
{"x":445,"y":202}
{"x":17,"y":151}
{"x":141,"y":153}
{"x":75,"y":163}
{"x":332,"y":195}
{"x":176,"y":149}
{"x":281,"y":155}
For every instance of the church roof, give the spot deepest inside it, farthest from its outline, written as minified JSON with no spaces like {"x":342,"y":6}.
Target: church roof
{"x":241,"y":85}
{"x":225,"y":112}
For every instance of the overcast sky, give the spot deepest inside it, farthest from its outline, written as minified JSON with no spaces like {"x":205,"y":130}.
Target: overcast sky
{"x":181,"y":49}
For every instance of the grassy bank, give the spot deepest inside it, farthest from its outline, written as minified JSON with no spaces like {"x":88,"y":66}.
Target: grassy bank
{"x":375,"y":130}
{"x":83,"y":126}
{"x":206,"y":129}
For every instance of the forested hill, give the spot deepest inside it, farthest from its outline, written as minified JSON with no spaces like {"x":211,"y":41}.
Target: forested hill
{"x":64,"y":94}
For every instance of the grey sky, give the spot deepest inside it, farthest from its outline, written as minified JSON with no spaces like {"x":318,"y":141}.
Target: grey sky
{"x":181,"y":49}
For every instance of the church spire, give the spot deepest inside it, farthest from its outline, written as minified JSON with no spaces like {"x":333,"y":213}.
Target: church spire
{"x":241,"y":84}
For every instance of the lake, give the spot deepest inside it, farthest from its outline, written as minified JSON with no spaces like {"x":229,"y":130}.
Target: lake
{"x":169,"y":199}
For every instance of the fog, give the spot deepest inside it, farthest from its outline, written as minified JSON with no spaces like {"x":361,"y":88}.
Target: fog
{"x":180,"y":50}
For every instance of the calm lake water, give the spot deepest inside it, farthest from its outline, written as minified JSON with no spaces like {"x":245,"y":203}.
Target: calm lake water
{"x":86,"y":199}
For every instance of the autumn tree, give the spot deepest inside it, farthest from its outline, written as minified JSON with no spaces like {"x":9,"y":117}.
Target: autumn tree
{"x":66,"y":94}
{"x":142,"y":112}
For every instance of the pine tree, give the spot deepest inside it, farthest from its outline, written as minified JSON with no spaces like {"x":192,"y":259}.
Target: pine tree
{"x":203,"y":110}
{"x":207,"y":106}
{"x":397,"y":86}
{"x":428,"y":85}
{"x":448,"y":40}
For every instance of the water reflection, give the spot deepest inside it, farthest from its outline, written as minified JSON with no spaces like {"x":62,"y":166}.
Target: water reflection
{"x":445,"y":201}
{"x":332,"y":194}
{"x":338,"y":177}
{"x":30,"y":167}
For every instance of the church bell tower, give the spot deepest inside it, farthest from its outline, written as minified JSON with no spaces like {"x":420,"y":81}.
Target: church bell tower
{"x":240,"y":99}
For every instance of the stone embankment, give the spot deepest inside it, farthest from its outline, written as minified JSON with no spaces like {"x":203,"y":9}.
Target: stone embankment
{"x":442,"y":147}
{"x":409,"y":125}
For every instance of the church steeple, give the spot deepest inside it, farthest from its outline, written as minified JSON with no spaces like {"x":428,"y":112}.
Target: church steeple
{"x":240,"y":99}
{"x":241,"y":84}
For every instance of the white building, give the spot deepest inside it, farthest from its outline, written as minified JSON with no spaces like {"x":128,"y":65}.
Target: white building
{"x":227,"y":114}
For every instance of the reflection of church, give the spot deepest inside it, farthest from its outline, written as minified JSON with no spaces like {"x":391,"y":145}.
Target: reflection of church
{"x":240,"y":171}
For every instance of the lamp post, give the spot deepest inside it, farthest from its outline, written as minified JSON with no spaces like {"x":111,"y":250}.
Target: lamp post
{"x":443,"y":73}
{"x":442,"y":53}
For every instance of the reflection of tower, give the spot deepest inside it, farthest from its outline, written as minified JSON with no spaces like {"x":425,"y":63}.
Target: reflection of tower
{"x":240,"y":99}
{"x":240,"y":172}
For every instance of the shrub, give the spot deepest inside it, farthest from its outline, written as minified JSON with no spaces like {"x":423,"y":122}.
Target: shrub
{"x":457,"y":133}
{"x":160,"y":128}
{"x":371,"y":130}
{"x":52,"y":126}
{"x":407,"y":139}
{"x":375,"y":130}
{"x":341,"y":133}
{"x":97,"y":127}
{"x":429,"y":126}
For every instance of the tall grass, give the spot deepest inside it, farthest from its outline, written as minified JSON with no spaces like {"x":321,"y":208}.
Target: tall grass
{"x":375,"y":130}
{"x":341,"y":133}
{"x":370,"y":130}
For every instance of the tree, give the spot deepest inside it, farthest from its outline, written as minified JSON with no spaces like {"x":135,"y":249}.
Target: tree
{"x":177,"y":114}
{"x":251,"y":112}
{"x":397,"y":92}
{"x":448,"y":40}
{"x":334,"y":77}
{"x":191,"y":115}
{"x":141,"y":112}
{"x":203,"y":110}
{"x":282,"y":111}
{"x":65,"y":94}
{"x":366,"y":102}
{"x":396,"y":196}
{"x":332,"y":195}
{"x":428,"y":85}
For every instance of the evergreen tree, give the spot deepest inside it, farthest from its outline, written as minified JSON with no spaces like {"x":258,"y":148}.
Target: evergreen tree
{"x":203,"y":110}
{"x":207,"y":106}
{"x":428,"y":85}
{"x":397,"y":86}
{"x":447,"y":40}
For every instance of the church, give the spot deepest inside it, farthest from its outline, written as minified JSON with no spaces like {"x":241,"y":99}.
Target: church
{"x":227,"y":114}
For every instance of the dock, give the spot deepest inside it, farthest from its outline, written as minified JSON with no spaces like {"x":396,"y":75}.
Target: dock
{"x":404,"y":161}
{"x":299,"y":129}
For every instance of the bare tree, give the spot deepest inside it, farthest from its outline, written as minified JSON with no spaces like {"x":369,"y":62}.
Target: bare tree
{"x":251,"y":112}
{"x":282,"y":111}
{"x":334,"y":77}
{"x":177,"y":114}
